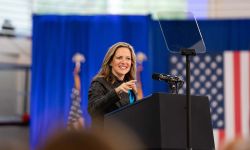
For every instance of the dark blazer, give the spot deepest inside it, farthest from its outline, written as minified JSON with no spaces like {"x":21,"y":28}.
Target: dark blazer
{"x":103,"y":99}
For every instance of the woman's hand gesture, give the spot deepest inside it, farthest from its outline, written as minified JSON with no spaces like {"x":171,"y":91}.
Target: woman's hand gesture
{"x":126,"y":86}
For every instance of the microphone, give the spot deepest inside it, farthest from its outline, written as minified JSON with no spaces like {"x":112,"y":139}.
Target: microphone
{"x":174,"y":82}
{"x":166,"y":78}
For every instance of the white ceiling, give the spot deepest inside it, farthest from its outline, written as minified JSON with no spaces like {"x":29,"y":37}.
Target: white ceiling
{"x":19,"y":12}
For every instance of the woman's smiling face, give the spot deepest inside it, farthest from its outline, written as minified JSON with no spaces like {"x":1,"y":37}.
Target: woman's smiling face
{"x":121,"y":62}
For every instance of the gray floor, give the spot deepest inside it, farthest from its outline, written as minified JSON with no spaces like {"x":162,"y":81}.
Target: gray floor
{"x":14,"y":138}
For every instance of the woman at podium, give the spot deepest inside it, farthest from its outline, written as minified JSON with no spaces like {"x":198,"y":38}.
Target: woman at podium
{"x":114,"y":86}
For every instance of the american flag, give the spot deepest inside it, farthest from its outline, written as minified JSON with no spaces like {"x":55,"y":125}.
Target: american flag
{"x":225,"y":79}
{"x":75,"y":119}
{"x":75,"y":112}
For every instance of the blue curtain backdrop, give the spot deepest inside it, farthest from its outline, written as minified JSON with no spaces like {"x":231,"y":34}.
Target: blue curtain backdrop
{"x":57,"y":38}
{"x":220,"y":35}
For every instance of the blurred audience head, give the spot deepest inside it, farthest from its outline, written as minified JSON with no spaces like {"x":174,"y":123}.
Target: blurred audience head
{"x":238,"y":144}
{"x":75,"y":140}
{"x":113,"y":137}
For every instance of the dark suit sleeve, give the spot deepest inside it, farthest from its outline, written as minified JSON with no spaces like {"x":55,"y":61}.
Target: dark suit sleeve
{"x":100,"y":98}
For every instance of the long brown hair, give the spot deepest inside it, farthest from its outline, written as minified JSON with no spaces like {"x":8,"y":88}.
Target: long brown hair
{"x":105,"y":70}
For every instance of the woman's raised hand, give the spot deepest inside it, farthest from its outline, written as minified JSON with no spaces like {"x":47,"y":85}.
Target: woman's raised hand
{"x":126,"y":86}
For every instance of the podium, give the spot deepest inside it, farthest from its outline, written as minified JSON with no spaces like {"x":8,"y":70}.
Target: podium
{"x":160,"y":121}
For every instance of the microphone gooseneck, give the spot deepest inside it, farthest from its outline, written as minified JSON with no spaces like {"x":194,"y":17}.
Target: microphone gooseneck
{"x":174,"y":82}
{"x":166,"y":77}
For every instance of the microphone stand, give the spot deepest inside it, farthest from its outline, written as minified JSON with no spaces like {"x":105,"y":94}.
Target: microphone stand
{"x":187,"y":53}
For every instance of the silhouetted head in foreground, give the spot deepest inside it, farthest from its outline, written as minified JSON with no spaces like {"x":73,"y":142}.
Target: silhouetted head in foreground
{"x":114,"y":137}
{"x":238,"y":144}
{"x":76,"y":140}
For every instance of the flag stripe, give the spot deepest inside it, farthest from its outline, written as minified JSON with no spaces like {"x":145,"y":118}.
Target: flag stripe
{"x":249,"y":93}
{"x":216,"y":137}
{"x":245,"y":69}
{"x":221,"y":139}
{"x":237,"y":97}
{"x":229,"y":95}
